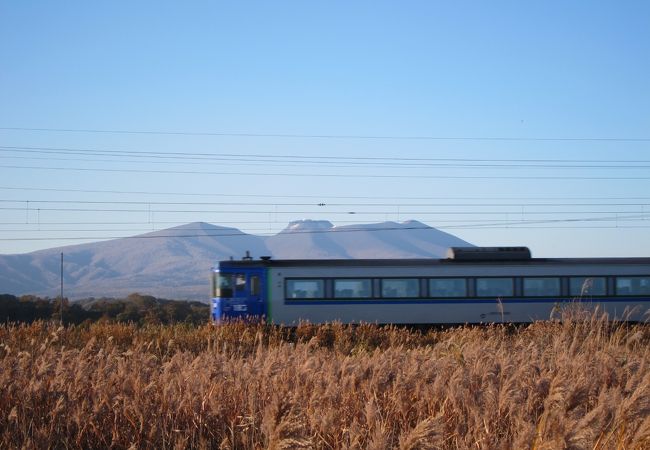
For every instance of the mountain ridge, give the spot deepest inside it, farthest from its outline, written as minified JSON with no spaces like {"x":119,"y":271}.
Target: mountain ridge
{"x":175,"y":262}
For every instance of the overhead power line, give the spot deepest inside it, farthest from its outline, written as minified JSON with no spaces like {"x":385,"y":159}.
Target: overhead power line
{"x":175,"y":160}
{"x":348,"y":160}
{"x":331,"y":136}
{"x":331,"y":175}
{"x":146,"y":225}
{"x":523,"y":224}
{"x":517,"y":211}
{"x":33,"y":202}
{"x":323,"y":196}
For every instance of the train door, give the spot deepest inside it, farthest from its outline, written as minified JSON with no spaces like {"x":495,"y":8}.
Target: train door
{"x":255,"y":291}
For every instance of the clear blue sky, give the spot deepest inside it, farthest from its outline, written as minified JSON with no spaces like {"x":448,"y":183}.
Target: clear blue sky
{"x":255,"y":87}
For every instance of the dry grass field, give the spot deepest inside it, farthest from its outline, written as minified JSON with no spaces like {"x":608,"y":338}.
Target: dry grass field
{"x":579,"y":384}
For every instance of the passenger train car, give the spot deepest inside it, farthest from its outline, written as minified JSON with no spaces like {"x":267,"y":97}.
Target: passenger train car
{"x":472,"y":285}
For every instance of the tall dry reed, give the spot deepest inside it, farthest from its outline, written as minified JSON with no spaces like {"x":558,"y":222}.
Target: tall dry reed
{"x":574,"y":384}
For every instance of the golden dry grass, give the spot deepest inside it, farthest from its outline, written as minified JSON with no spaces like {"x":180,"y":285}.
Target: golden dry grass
{"x":576,"y":384}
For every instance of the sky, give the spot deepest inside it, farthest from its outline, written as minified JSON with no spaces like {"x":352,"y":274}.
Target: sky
{"x":503,"y":123}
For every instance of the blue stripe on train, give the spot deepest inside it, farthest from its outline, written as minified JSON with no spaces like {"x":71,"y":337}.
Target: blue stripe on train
{"x":416,"y":301}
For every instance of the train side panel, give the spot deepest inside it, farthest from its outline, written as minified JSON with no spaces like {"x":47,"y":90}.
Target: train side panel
{"x":429,"y":310}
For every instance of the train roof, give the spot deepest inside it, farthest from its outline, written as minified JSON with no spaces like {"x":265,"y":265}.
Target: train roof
{"x":455,"y":255}
{"x":426,"y":262}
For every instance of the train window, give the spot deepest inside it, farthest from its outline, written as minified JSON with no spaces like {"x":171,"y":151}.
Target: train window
{"x":632,"y":285}
{"x":541,"y":287}
{"x":586,"y":286}
{"x":400,"y":287}
{"x":305,"y":288}
{"x":255,"y":285}
{"x":494,"y":287}
{"x":240,"y":282}
{"x":448,"y":287}
{"x":352,"y":288}
{"x":224,"y":285}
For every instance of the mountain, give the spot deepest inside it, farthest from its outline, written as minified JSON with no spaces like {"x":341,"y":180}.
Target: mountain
{"x":176,"y":262}
{"x":314,"y":239}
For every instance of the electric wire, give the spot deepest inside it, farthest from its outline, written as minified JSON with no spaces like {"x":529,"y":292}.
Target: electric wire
{"x":323,"y":196}
{"x":329,"y":136}
{"x":347,"y":160}
{"x":331,"y":175}
{"x":272,"y":163}
{"x":536,"y":216}
{"x":294,"y":212}
{"x":350,"y":229}
{"x":328,"y":204}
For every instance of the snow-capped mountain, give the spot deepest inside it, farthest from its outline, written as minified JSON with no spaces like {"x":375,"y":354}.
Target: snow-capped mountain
{"x":315,"y":239}
{"x":176,"y":262}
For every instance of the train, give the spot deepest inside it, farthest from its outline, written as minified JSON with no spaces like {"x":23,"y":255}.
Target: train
{"x":472,"y":285}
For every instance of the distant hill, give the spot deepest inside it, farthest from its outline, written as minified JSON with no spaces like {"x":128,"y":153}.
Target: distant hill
{"x":175,"y":263}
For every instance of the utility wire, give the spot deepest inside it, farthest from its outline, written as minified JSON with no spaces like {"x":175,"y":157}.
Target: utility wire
{"x":328,"y":175}
{"x":389,"y":161}
{"x":323,"y":196}
{"x":158,"y":235}
{"x":146,"y":225}
{"x":475,"y":223}
{"x":33,"y":202}
{"x":279,"y":163}
{"x":274,"y":163}
{"x":330,"y":136}
{"x":517,"y":211}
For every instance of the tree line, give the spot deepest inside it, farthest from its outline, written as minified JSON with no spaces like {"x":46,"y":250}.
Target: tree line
{"x":136,"y":308}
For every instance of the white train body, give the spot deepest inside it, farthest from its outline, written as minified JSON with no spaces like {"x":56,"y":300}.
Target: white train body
{"x":475,"y":286}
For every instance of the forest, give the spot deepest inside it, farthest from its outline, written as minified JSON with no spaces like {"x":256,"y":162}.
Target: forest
{"x":135,"y":308}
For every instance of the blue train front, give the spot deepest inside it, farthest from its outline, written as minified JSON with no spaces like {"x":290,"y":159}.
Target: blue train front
{"x":239,"y":291}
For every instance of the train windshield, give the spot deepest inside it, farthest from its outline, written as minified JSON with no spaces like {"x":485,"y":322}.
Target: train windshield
{"x":226,"y":284}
